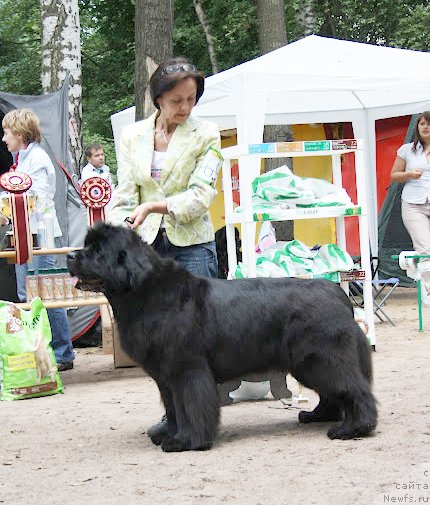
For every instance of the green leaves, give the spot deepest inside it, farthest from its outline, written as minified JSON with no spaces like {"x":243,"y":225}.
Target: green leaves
{"x":107,"y":31}
{"x":413,"y":30}
{"x":20,"y":53}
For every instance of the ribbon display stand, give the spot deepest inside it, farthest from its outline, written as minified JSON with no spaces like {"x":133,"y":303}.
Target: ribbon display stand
{"x":16,"y":184}
{"x":96,"y":193}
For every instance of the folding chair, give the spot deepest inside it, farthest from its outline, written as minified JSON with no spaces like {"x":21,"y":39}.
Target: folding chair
{"x":382,"y":290}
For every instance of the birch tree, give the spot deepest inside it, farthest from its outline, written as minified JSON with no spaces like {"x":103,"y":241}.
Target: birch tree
{"x":208,"y":35}
{"x":61,"y":54}
{"x":306,"y":17}
{"x":154,"y":43}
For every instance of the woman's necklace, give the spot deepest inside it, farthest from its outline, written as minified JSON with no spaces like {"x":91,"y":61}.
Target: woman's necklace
{"x":164,"y":137}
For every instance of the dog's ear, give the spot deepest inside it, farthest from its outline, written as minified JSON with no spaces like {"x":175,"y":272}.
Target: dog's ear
{"x":122,"y":255}
{"x":134,"y":270}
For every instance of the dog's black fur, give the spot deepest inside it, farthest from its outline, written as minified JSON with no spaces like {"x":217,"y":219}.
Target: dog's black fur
{"x":190,"y":333}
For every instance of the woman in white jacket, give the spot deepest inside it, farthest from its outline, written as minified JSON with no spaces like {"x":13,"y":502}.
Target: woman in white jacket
{"x":22,"y":135}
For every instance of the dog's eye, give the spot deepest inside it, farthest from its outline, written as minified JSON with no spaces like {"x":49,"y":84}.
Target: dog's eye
{"x":121,"y":256}
{"x":95,"y":248}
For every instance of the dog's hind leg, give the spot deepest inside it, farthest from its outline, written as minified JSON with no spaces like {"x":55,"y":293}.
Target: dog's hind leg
{"x":356,"y":397}
{"x":342,"y":388}
{"x":197,"y":407}
{"x":360,"y":414}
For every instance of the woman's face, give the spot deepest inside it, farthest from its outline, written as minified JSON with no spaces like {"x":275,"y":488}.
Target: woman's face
{"x":13,"y":141}
{"x":424,"y":129}
{"x":176,"y":104}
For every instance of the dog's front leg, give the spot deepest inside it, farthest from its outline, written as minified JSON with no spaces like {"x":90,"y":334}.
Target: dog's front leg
{"x":197,"y":408}
{"x":166,"y":428}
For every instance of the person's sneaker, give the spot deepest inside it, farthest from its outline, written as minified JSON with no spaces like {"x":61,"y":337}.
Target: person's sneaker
{"x":67,"y":365}
{"x":158,"y":428}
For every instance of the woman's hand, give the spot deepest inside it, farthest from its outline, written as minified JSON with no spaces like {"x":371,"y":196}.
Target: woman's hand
{"x":414,"y":174}
{"x":139,"y":215}
{"x":399,"y":173}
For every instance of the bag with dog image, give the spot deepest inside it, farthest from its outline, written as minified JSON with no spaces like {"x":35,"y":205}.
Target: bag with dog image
{"x":28,"y":367}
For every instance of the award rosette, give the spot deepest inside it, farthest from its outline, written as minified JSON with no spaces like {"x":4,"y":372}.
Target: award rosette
{"x":16,"y":184}
{"x":95,"y":193}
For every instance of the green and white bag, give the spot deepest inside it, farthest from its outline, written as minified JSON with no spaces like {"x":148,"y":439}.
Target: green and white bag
{"x":28,"y":367}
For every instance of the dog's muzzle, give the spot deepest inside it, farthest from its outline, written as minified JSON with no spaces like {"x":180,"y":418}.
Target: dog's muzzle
{"x":71,"y":255}
{"x":72,"y":260}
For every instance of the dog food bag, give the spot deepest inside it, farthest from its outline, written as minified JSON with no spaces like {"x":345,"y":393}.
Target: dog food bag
{"x":32,"y":285}
{"x":28,"y":367}
{"x":336,"y":259}
{"x":46,"y":284}
{"x":69,"y":286}
{"x":281,"y":185}
{"x":58,"y":284}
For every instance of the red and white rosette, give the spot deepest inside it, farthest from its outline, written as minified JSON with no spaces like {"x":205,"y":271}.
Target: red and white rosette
{"x":16,"y":184}
{"x":95,"y":193}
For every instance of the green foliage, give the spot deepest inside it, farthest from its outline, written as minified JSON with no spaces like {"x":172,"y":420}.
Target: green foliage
{"x":413,"y":29}
{"x":372,"y":21}
{"x":108,"y":43}
{"x":20,"y":52}
{"x":234,"y":32}
{"x":107,"y":62}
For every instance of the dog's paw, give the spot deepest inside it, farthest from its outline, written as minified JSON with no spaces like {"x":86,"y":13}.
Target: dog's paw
{"x":175,"y":445}
{"x":158,"y":438}
{"x":320,"y":417}
{"x":305,"y":416}
{"x":203,"y":447}
{"x":159,"y":431}
{"x":343,"y":433}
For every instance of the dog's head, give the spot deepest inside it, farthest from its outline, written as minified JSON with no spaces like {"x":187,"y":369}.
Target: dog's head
{"x":114,"y":260}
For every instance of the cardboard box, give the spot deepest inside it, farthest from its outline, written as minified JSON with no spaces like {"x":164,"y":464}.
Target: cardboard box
{"x":110,"y":339}
{"x":120,"y":358}
{"x":107,"y":331}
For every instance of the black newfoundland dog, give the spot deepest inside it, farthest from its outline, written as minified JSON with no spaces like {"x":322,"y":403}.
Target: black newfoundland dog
{"x":190,"y":333}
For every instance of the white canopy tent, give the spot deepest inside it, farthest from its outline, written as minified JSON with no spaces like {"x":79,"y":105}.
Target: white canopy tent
{"x":321,"y":80}
{"x":317,"y":80}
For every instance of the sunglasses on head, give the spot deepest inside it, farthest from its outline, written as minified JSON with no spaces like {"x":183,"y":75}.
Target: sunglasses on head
{"x":178,"y":67}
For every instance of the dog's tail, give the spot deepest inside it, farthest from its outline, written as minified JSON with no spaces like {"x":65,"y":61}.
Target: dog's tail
{"x":364,"y":358}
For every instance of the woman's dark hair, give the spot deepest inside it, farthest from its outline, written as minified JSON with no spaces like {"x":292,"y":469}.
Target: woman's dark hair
{"x":417,"y":136}
{"x":169,"y":73}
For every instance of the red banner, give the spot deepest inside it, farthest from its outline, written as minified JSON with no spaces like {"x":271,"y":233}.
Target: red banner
{"x":17,"y":183}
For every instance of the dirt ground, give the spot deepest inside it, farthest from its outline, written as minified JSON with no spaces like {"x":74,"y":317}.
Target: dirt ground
{"x":88,"y":446}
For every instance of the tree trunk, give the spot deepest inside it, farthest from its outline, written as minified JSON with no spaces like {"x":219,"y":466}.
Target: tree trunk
{"x":272,"y":34}
{"x":307,"y":17}
{"x":61,"y":54}
{"x":154,"y":43}
{"x":271,"y":25}
{"x":209,"y":40}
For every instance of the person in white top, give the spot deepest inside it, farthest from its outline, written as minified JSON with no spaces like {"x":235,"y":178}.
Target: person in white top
{"x":96,"y":164}
{"x":22,"y":135}
{"x":412,"y":167}
{"x":96,"y":168}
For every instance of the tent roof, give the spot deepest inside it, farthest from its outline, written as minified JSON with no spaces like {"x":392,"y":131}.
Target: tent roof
{"x":322,"y":79}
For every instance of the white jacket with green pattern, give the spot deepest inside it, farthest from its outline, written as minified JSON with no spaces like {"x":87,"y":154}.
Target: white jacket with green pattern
{"x":187,"y":181}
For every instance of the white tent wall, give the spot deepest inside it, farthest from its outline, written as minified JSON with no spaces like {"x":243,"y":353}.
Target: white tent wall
{"x":317,"y":80}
